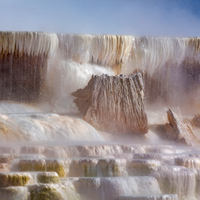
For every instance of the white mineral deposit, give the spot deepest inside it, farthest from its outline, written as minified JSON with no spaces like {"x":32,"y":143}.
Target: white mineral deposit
{"x":99,"y":117}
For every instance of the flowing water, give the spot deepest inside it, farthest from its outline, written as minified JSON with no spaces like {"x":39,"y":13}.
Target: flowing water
{"x":42,"y":132}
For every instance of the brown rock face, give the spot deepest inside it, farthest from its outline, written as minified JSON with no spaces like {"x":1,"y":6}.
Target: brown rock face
{"x":23,"y":62}
{"x":178,"y":131}
{"x":21,"y":76}
{"x":114,"y":103}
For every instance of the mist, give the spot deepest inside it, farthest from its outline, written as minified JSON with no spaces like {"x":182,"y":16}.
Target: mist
{"x":75,"y":123}
{"x":146,"y":17}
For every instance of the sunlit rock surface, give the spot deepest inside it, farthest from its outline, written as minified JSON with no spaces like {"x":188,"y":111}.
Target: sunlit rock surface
{"x":114,"y":103}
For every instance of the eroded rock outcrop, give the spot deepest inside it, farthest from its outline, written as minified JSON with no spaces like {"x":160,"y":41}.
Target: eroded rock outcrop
{"x":114,"y":103}
{"x":178,"y":131}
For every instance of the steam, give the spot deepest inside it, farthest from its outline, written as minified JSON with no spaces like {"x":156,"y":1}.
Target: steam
{"x":73,"y":58}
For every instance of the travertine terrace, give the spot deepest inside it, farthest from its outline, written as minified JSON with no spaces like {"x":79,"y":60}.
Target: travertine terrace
{"x":49,"y":151}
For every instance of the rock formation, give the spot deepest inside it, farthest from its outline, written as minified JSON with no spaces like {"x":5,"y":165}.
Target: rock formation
{"x":177,"y":130}
{"x":114,"y":103}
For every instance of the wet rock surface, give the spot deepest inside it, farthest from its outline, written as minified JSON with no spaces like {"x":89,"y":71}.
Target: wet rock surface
{"x":14,"y":179}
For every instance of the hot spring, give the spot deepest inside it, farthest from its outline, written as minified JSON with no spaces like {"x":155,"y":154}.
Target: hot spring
{"x":99,"y":117}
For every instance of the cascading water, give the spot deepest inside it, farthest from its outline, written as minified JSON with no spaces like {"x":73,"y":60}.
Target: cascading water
{"x":41,"y":129}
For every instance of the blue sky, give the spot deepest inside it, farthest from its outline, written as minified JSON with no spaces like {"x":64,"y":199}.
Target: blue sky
{"x":126,"y":17}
